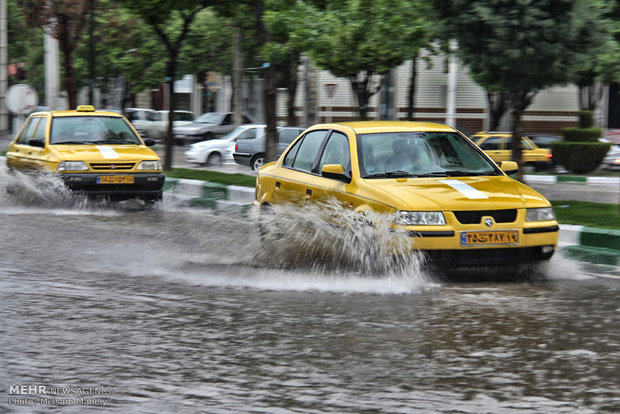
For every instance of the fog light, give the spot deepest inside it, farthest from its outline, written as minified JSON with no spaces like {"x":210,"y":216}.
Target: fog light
{"x":547,"y":249}
{"x":75,"y":179}
{"x":152,"y":179}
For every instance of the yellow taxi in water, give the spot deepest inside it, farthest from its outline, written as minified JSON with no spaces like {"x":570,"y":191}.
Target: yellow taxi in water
{"x":96,"y":153}
{"x":457,"y":205}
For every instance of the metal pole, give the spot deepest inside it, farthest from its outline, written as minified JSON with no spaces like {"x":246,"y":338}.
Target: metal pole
{"x":4,"y":115}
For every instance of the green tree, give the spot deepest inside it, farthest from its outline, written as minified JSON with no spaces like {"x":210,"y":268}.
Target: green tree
{"x":171,"y":21}
{"x":519,"y":47}
{"x":63,"y":20}
{"x":361,"y":40}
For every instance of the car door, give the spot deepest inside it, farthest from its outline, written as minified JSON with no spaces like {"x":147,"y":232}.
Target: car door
{"x":295,"y":182}
{"x":21,"y":155}
{"x":324,"y":189}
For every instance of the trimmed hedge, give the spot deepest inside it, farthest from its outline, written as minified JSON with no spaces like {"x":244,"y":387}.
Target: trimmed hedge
{"x":579,"y":157}
{"x":586,"y":119}
{"x":582,"y":135}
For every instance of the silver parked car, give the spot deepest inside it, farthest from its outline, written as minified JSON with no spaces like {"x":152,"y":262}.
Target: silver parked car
{"x":158,"y":125}
{"x":216,"y":151}
{"x":251,"y":152}
{"x":612,"y":159}
{"x":210,"y":125}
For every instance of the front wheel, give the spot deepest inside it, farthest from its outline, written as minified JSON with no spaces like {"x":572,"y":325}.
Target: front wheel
{"x":257,"y":162}
{"x":214,"y":158}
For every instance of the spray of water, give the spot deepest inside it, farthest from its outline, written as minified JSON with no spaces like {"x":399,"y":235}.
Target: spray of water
{"x":330,"y":239}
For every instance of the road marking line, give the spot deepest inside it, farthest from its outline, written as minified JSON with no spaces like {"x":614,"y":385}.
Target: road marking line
{"x":602,"y":275}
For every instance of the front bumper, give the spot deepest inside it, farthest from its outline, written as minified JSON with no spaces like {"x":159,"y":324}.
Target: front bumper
{"x":242,"y":158}
{"x":445,"y":249}
{"x":146,"y":186}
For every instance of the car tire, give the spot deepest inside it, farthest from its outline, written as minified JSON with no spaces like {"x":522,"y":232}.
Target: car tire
{"x":257,"y":162}
{"x":214,"y":158}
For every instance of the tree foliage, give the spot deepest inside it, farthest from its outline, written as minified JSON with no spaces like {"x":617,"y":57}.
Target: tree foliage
{"x":519,"y":47}
{"x":64,"y":20}
{"x":360,"y":39}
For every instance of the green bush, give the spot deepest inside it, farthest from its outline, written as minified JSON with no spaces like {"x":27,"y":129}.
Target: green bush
{"x":586,"y":119}
{"x":582,"y":135}
{"x":579,"y":157}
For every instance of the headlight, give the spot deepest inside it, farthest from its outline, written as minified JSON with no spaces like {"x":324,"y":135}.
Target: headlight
{"x":149,"y":166}
{"x":72,"y":166}
{"x":420,"y":218}
{"x":540,"y":214}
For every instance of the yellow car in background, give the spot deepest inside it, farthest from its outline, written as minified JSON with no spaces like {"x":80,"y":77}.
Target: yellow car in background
{"x":497,"y":146}
{"x":96,"y":153}
{"x":457,"y":205}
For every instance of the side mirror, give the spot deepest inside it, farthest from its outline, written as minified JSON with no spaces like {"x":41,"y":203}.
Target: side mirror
{"x":336,"y":172}
{"x":509,"y":167}
{"x":149,"y":142}
{"x":37,"y":142}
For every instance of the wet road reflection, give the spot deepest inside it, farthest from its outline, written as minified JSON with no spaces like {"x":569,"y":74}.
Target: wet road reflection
{"x":177,"y":310}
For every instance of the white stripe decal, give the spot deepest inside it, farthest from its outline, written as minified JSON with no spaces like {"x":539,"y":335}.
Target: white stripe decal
{"x":465,"y":189}
{"x":107,"y":152}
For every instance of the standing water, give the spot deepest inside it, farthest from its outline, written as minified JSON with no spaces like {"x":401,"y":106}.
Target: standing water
{"x":108,"y":308}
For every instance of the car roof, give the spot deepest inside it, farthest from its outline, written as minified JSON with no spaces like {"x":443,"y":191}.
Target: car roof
{"x":75,"y":112}
{"x":368,"y":127}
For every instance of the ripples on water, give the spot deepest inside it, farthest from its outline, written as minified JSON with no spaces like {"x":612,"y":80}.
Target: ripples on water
{"x":186,"y":311}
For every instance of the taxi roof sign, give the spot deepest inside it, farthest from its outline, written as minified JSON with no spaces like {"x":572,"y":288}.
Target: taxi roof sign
{"x":85,"y":108}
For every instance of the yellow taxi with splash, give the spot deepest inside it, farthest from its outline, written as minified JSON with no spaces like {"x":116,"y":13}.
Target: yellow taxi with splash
{"x":97,"y":153}
{"x":458,"y":206}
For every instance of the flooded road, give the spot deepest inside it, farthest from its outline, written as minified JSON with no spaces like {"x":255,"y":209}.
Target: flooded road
{"x":127,"y":311}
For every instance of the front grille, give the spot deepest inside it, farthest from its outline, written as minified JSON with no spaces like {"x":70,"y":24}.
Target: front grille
{"x":475,"y":217}
{"x":112,"y":166}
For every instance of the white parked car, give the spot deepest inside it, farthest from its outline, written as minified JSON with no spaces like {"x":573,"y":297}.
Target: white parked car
{"x":157,"y":125}
{"x":217,"y":151}
{"x":612,"y":159}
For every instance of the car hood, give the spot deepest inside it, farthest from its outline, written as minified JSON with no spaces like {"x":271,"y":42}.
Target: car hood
{"x":456,"y":193}
{"x":193,"y":128}
{"x":104,"y":152}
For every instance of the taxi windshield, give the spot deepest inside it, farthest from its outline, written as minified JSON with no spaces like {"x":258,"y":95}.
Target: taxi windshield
{"x":420,"y":154}
{"x":76,"y":130}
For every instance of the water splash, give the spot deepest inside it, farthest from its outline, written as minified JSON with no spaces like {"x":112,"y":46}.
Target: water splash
{"x":329,"y":239}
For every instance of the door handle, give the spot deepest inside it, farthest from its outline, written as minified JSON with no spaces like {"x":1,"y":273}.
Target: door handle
{"x":278,"y":184}
{"x":308,"y":192}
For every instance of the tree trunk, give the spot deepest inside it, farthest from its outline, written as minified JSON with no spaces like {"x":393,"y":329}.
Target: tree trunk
{"x":499,"y":103}
{"x":520,"y":100}
{"x":237,"y":77}
{"x":269,"y":91}
{"x":67,"y":46}
{"x":291,"y":88}
{"x":412,"y":89}
{"x":169,"y":147}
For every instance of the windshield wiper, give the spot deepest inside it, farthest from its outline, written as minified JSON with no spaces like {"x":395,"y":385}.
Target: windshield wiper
{"x":75,"y":142}
{"x":390,"y":174}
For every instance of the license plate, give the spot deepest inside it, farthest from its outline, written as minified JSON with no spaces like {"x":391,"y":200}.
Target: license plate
{"x":489,"y":237}
{"x":115,"y":179}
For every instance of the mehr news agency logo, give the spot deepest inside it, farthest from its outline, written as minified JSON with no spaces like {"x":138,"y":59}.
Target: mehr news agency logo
{"x":43,"y":395}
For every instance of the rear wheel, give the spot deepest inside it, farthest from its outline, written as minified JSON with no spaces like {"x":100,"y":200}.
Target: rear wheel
{"x":257,"y":162}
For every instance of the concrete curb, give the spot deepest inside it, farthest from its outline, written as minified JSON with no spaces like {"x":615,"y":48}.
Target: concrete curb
{"x":594,"y":245}
{"x":203,"y":194}
{"x":551,"y":179}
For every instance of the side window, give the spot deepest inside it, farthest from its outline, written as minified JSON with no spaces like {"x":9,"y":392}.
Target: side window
{"x":247,"y":120}
{"x":227,"y":119}
{"x":491,"y":144}
{"x":40,"y":131}
{"x":525,"y":144}
{"x":308,"y":150}
{"x":248,"y":134}
{"x":290,"y":156}
{"x":286,"y":136}
{"x":336,"y":151}
{"x":27,"y":131}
